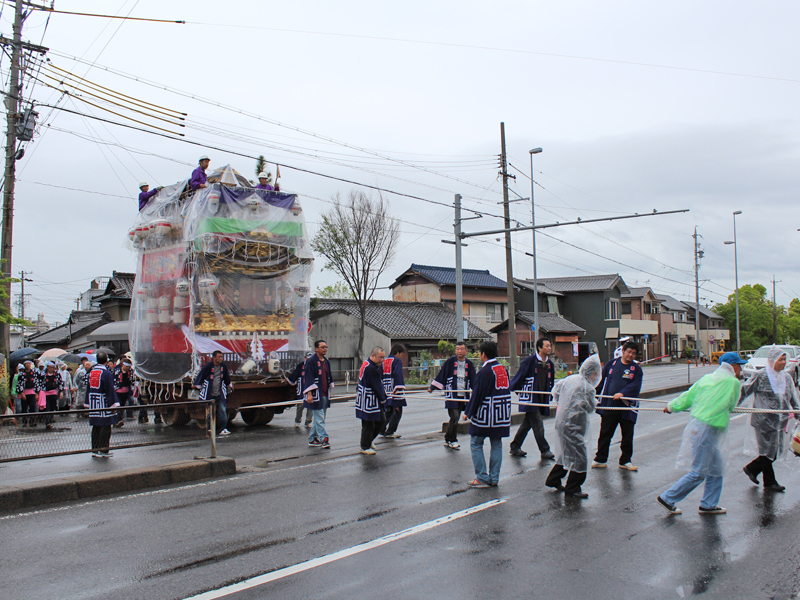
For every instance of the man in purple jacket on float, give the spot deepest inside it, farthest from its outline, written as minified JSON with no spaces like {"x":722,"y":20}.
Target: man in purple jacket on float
{"x":199,"y":179}
{"x":146,"y":193}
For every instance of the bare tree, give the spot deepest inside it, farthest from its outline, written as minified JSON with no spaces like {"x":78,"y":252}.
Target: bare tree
{"x":358,"y":238}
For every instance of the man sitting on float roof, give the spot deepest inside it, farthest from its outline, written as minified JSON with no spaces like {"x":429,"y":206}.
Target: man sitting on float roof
{"x":199,"y":179}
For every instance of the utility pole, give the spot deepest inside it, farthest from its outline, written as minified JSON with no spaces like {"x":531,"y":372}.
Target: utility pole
{"x":774,"y":312}
{"x":460,"y":333}
{"x":698,"y":254}
{"x":12,"y":110}
{"x":512,"y":312}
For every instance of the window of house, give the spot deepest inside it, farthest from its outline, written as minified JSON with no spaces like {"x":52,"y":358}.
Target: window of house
{"x":528,"y":347}
{"x":552,"y":305}
{"x":612,"y":309}
{"x":494,"y":312}
{"x":626,"y":308}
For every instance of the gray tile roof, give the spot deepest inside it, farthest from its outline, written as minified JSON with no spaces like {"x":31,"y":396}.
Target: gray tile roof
{"x":82,"y":321}
{"x":638,"y":292}
{"x":447,"y":276}
{"x":588,"y":283}
{"x":119,"y":286}
{"x":543,"y":289}
{"x":671,"y":304}
{"x":548,"y":322}
{"x":706,"y":312}
{"x":404,"y":320}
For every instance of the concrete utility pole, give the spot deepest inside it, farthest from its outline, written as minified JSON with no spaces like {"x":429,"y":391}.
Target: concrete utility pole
{"x":698,"y":254}
{"x":533,"y":235}
{"x":460,"y":333}
{"x":512,"y":312}
{"x":774,"y":312}
{"x":12,"y":110}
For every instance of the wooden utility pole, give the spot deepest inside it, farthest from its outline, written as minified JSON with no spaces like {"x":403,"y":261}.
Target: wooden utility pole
{"x":512,"y":312}
{"x":12,"y":110}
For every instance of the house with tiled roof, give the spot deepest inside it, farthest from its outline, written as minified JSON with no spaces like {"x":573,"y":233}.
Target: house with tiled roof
{"x":417,"y":325}
{"x":561,"y":333}
{"x":72,"y":335}
{"x":485,"y":297}
{"x":116,"y":298}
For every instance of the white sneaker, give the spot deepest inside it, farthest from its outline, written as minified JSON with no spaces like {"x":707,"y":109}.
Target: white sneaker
{"x":393,"y":436}
{"x":224,"y":432}
{"x":455,"y":445}
{"x":373,"y":447}
{"x":629,"y":467}
{"x":598,"y":465}
{"x":368,"y":451}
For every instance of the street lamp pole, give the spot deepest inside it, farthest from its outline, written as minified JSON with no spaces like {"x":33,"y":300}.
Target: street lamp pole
{"x":736,"y":269}
{"x":533,"y":232}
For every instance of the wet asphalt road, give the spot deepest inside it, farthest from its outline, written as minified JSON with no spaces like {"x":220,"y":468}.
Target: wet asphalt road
{"x":293,"y":504}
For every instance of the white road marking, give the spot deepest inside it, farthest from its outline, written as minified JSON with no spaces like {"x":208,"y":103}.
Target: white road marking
{"x":329,"y":558}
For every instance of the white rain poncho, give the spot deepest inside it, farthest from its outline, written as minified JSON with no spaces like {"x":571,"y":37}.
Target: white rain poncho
{"x":773,"y":390}
{"x":576,"y":400}
{"x":704,"y":446}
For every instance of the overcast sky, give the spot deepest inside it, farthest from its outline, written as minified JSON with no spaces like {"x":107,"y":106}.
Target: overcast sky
{"x":637,"y":106}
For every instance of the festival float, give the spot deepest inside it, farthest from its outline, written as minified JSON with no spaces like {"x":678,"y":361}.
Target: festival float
{"x":227,"y":268}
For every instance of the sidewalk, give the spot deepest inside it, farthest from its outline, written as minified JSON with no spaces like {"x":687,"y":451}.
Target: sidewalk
{"x":35,"y":482}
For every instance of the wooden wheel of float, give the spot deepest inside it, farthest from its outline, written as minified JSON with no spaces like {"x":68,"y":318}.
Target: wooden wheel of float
{"x":257,"y":416}
{"x":175,"y":416}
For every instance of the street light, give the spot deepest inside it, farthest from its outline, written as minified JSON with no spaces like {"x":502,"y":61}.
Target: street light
{"x":736,"y":268}
{"x":533,"y":233}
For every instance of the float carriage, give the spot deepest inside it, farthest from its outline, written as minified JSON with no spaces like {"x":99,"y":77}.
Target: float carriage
{"x":225,"y":268}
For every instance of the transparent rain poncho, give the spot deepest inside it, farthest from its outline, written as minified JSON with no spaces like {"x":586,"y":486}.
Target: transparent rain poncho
{"x":576,"y":400}
{"x":771,"y":389}
{"x":225,"y":268}
{"x":704,"y":446}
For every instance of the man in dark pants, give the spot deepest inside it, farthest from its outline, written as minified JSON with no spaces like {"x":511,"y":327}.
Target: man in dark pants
{"x":371,"y":399}
{"x":395,"y":387}
{"x":213,"y":381}
{"x":622,"y":378}
{"x":537,"y":374}
{"x":100,"y":396}
{"x":456,"y":378}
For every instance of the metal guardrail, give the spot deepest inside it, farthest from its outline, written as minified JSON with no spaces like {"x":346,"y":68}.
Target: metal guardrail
{"x":27,"y":435}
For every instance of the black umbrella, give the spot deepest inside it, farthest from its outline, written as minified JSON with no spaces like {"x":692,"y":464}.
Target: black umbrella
{"x":105,"y":349}
{"x":23,"y":353}
{"x":71,"y":358}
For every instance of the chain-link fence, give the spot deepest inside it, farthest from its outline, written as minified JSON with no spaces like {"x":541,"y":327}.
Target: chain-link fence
{"x":44,"y":434}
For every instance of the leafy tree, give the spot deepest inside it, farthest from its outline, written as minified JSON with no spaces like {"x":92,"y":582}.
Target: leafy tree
{"x":446,"y":348}
{"x":337,"y":290}
{"x":358,"y":238}
{"x":261,"y":165}
{"x":756,"y":318}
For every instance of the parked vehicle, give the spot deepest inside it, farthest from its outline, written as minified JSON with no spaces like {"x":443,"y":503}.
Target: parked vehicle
{"x":226,"y":268}
{"x":759,"y":361}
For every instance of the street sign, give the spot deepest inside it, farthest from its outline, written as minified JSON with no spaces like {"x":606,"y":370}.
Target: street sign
{"x":533,"y":326}
{"x":711,"y":338}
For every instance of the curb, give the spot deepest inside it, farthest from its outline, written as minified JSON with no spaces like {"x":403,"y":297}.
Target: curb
{"x":52,"y":491}
{"x":463,"y":427}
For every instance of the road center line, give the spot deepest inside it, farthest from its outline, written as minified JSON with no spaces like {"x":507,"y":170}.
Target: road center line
{"x":329,"y":558}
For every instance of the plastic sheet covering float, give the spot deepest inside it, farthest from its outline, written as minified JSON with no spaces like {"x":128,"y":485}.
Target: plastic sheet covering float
{"x":225,"y":268}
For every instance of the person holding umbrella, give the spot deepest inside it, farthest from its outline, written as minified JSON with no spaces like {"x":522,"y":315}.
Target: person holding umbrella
{"x":52,"y":386}
{"x":28,"y":386}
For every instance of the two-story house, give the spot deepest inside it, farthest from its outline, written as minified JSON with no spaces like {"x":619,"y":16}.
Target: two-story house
{"x":683,"y":332}
{"x":593,"y":303}
{"x":640,"y":303}
{"x":485,"y":297}
{"x":713,"y":333}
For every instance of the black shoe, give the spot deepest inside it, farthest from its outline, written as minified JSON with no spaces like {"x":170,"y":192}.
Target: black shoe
{"x":775,"y":487}
{"x":577,"y":494}
{"x":670,"y":508}
{"x":548,"y":455}
{"x":752,"y":477}
{"x":518,"y":452}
